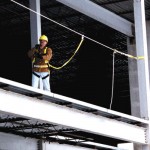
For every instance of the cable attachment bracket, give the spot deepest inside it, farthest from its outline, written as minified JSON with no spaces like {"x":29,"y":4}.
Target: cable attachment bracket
{"x":82,"y":37}
{"x":115,"y":51}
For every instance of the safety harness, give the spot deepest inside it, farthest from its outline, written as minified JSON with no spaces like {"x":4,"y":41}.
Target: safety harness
{"x":41,"y":66}
{"x":40,"y":76}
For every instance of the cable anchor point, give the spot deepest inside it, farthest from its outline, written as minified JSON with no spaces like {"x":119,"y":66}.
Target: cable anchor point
{"x":82,"y":37}
{"x":115,"y":51}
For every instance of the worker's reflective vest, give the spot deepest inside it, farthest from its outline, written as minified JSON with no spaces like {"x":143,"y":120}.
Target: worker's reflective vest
{"x":46,"y":61}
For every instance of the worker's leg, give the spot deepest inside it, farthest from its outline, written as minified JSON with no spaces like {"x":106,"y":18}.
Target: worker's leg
{"x":46,"y":82}
{"x":41,"y":84}
{"x":35,"y":79}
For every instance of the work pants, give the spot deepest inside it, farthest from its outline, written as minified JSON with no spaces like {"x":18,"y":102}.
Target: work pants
{"x":41,"y":80}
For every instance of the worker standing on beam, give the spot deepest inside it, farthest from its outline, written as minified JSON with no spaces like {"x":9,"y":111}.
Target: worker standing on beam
{"x":40,"y":56}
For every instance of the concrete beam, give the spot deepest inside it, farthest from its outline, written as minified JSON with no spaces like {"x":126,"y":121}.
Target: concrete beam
{"x":100,"y":14}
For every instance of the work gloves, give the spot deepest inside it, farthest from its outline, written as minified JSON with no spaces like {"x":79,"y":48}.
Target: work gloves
{"x":37,"y":55}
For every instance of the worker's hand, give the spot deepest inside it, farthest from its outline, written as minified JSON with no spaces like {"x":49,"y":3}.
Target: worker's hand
{"x":37,"y":55}
{"x":37,"y":46}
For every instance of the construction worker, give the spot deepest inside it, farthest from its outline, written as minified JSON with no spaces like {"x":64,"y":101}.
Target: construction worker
{"x":40,"y":56}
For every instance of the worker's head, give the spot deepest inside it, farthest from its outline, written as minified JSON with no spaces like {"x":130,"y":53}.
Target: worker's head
{"x":43,"y":40}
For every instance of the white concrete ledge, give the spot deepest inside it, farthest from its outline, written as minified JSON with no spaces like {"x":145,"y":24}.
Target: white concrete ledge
{"x":45,"y":111}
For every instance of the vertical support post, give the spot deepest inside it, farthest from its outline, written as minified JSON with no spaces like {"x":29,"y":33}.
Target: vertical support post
{"x":139,"y":70}
{"x":148,"y":40}
{"x":35,"y":25}
{"x":142,"y":65}
{"x":133,"y":79}
{"x":134,"y":88}
{"x":35,"y":22}
{"x":40,"y":144}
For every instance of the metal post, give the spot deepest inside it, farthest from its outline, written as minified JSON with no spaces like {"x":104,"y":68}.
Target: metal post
{"x":35,"y":25}
{"x":148,"y":40}
{"x":143,"y":83}
{"x":35,"y":22}
{"x":133,"y":79}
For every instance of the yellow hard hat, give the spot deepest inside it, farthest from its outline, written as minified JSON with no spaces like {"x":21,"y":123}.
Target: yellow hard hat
{"x":43,"y":37}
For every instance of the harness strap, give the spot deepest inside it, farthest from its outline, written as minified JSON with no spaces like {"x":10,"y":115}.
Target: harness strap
{"x":45,"y":77}
{"x":45,"y":50}
{"x":36,"y":74}
{"x":39,"y":76}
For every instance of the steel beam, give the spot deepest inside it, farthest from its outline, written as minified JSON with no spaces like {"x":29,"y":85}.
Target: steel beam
{"x":29,"y":107}
{"x":67,"y":101}
{"x":100,"y":14}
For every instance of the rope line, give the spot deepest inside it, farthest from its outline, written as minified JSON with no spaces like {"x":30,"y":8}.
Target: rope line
{"x":117,"y":51}
{"x":112,"y":89}
{"x":70,"y":57}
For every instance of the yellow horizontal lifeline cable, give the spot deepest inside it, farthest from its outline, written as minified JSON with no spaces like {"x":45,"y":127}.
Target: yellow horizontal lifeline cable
{"x":127,"y":55}
{"x":70,"y":57}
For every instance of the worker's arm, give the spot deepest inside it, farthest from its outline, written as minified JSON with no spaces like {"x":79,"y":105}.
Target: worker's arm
{"x":31,"y":53}
{"x":48,"y":54}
